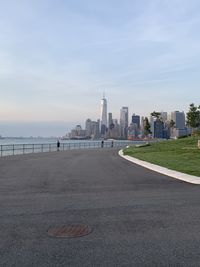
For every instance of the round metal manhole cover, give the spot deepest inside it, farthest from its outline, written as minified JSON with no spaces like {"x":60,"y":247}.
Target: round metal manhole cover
{"x":77,"y":230}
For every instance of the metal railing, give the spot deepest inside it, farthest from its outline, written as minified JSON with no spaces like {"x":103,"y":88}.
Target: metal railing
{"x":19,"y":149}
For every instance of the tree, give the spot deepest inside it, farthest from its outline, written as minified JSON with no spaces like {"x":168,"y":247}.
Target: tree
{"x":193,"y":116}
{"x":156,"y":114}
{"x":171,"y":124}
{"x":147,"y":127}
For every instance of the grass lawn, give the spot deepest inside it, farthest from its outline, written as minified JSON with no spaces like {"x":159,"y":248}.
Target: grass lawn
{"x":180,"y":155}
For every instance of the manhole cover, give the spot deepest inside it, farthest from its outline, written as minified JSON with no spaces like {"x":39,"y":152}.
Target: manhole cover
{"x":70,"y":231}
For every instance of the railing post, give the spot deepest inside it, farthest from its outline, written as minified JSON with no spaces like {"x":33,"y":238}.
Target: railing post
{"x":13,"y":149}
{"x":23,"y":149}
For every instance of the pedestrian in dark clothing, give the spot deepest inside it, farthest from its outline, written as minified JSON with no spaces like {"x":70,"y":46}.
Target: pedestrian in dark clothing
{"x":58,"y":145}
{"x":102,"y":143}
{"x":112,"y":143}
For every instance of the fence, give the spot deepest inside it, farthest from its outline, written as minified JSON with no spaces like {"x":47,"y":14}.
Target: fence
{"x":18,"y":149}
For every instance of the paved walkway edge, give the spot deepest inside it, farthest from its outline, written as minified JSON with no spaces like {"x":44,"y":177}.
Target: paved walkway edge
{"x":177,"y":175}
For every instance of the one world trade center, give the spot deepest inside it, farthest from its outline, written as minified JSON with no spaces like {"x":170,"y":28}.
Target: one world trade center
{"x":103,"y":116}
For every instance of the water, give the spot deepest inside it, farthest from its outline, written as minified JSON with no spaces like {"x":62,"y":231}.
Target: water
{"x":16,"y":146}
{"x":13,"y":141}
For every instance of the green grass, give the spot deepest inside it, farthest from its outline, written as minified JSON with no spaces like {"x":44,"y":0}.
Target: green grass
{"x":181,"y":155}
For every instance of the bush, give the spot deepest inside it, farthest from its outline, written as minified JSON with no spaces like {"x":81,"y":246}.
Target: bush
{"x":184,"y":136}
{"x":196,"y":133}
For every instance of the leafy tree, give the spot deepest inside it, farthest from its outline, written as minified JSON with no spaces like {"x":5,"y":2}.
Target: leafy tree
{"x":171,"y":124}
{"x":147,"y":127}
{"x":193,"y":116}
{"x":156,"y":114}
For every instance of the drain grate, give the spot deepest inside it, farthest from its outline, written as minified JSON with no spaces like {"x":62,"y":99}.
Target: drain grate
{"x":72,"y":230}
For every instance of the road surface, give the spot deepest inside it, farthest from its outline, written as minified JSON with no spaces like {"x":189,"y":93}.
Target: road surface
{"x":138,"y":217}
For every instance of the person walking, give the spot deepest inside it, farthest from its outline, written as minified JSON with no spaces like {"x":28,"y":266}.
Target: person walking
{"x":112,"y":143}
{"x":102,"y":143}
{"x":58,"y":145}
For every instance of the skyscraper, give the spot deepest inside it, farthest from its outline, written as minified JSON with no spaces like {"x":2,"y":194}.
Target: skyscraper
{"x":110,"y":120}
{"x":88,"y":127}
{"x":158,"y":129}
{"x":179,"y":119}
{"x":163,"y":116}
{"x":124,"y":121}
{"x":103,"y":115}
{"x":136,"y":120}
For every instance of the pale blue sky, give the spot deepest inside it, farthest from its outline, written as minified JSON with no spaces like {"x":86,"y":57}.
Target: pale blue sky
{"x":57,"y":57}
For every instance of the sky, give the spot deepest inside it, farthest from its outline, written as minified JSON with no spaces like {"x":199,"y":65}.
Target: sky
{"x":57,"y":57}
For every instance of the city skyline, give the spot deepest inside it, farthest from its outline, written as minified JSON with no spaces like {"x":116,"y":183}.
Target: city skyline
{"x":60,"y":128}
{"x":57,"y":57}
{"x":159,"y":124}
{"x":101,"y":124}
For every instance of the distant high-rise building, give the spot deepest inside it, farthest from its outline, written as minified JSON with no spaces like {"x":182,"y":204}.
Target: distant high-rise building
{"x":88,"y":127}
{"x":133,"y":131}
{"x":142,"y":125}
{"x":179,"y":119}
{"x":95,"y":130}
{"x":110,"y":120}
{"x":136,"y":120}
{"x":103,"y":116}
{"x":113,"y":131}
{"x":124,"y":121}
{"x":163,"y":116}
{"x":158,"y":129}
{"x":77,"y":133}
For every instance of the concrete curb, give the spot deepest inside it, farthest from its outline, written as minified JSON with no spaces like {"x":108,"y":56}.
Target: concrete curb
{"x":177,"y":175}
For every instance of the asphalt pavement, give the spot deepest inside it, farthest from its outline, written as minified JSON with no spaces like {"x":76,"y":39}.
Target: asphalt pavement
{"x":138,"y":217}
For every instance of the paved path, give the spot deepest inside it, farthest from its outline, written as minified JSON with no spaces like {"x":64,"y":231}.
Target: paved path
{"x":139,"y":218}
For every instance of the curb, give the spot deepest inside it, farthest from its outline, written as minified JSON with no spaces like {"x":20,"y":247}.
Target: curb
{"x":174,"y":174}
